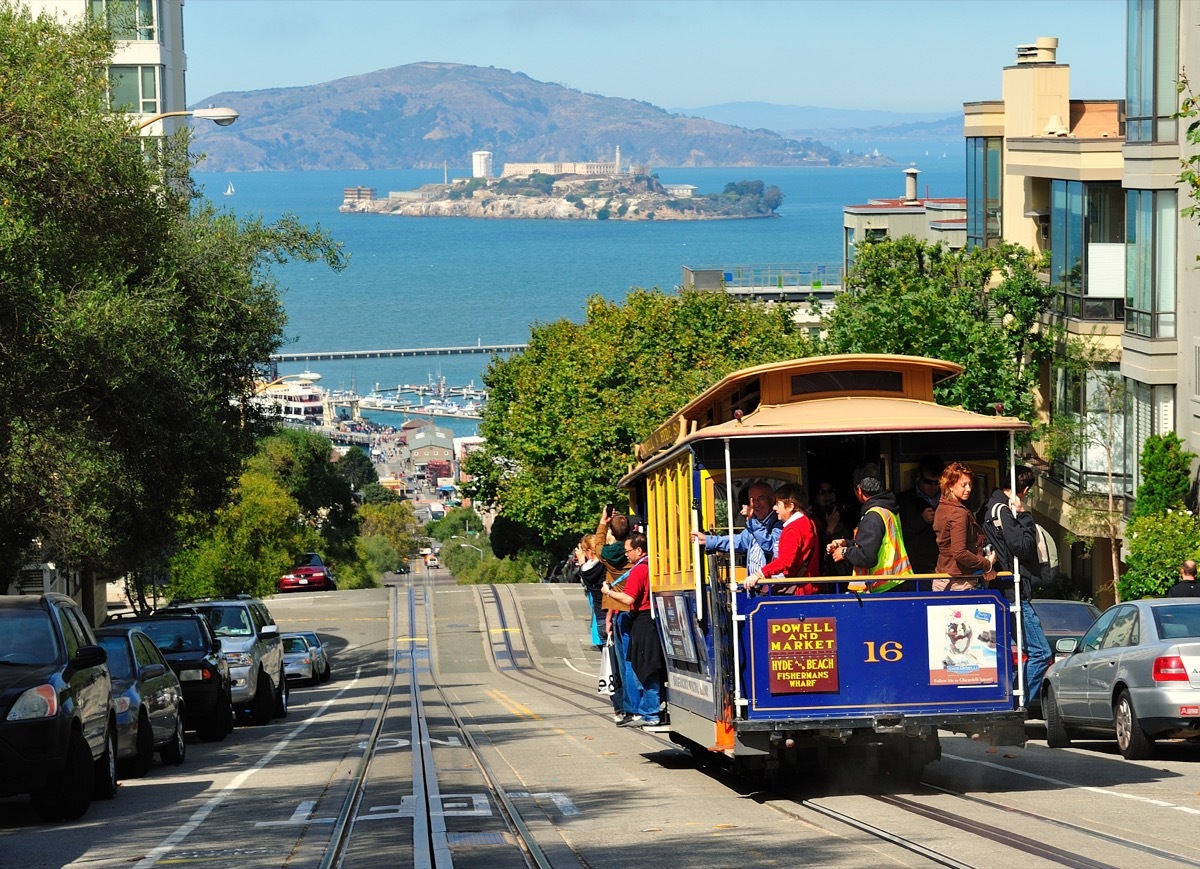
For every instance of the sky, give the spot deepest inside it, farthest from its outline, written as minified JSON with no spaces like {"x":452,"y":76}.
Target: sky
{"x":895,"y":55}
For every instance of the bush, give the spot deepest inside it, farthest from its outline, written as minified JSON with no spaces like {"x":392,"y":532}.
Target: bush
{"x":499,"y":571}
{"x":1166,"y":475}
{"x":1158,"y":544}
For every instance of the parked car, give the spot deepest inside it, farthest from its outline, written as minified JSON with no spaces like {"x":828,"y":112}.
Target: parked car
{"x":404,"y":567}
{"x":320,"y":653}
{"x":58,"y":720}
{"x":299,"y":663}
{"x":311,"y":574}
{"x":194,"y":654}
{"x":1064,"y":618}
{"x":250,"y":645}
{"x":149,"y":700}
{"x":1129,"y":678}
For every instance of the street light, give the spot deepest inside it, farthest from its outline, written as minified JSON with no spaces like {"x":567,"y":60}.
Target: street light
{"x":468,"y":545}
{"x":222,"y":116}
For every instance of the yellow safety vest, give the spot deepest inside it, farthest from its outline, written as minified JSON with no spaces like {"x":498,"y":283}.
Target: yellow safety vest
{"x":893,"y":557}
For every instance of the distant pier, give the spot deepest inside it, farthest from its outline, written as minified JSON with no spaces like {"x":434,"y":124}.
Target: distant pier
{"x":338,"y":355}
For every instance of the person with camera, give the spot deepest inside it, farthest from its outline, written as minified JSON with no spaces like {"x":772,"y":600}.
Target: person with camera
{"x":960,"y":539}
{"x":1011,"y":531}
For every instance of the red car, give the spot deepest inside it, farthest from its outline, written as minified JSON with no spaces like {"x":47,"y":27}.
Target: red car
{"x":310,"y":575}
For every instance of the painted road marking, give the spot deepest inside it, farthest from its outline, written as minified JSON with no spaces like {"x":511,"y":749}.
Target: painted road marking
{"x":1067,"y":784}
{"x":201,"y":814}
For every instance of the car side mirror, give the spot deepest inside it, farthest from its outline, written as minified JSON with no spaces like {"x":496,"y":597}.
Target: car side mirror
{"x":1066,"y":645}
{"x":269,"y":631}
{"x":90,"y":656}
{"x":153,"y":671}
{"x":216,"y":645}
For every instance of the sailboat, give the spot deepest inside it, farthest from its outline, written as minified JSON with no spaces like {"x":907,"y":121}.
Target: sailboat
{"x":229,"y":191}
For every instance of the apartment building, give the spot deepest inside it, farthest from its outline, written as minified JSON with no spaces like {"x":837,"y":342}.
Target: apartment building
{"x":1095,"y":183}
{"x":148,"y":66}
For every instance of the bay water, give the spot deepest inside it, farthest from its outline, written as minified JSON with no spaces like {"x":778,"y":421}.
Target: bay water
{"x":442,"y":282}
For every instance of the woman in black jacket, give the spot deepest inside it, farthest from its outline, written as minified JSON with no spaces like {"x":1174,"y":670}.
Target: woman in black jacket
{"x":591,"y":574}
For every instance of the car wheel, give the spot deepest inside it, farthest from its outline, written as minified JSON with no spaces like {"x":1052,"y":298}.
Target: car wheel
{"x":1131,"y":739}
{"x":219,"y":724}
{"x":325,"y":673}
{"x":314,"y":676}
{"x":1056,"y":731}
{"x":68,"y":796}
{"x":144,"y":753}
{"x":175,"y":751}
{"x":263,"y":704}
{"x":281,"y":697}
{"x":106,"y":767}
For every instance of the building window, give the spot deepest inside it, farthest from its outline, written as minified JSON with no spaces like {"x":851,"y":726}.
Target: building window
{"x":1150,"y":410}
{"x":1150,"y":220}
{"x":1087,"y":402}
{"x":129,"y":19}
{"x":1087,"y":248}
{"x":134,"y":89}
{"x":985,"y":168}
{"x":1152,"y":58}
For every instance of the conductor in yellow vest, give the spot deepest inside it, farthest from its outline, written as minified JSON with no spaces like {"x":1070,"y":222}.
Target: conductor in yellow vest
{"x":878,"y":545}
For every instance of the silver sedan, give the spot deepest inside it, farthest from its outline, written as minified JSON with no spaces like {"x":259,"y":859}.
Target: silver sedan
{"x":1135,"y":676}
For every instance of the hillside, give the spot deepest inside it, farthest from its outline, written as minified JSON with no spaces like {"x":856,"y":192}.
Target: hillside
{"x":423,"y":115}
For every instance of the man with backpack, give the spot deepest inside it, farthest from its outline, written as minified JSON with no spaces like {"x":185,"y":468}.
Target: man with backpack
{"x":1011,"y":531}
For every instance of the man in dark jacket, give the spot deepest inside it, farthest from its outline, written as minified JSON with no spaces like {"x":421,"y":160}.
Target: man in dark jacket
{"x":916,"y":509}
{"x":1187,"y":585}
{"x":1010,"y":529}
{"x":878,"y":538}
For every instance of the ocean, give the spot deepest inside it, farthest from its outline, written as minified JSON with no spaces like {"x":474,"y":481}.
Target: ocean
{"x":437,"y":282}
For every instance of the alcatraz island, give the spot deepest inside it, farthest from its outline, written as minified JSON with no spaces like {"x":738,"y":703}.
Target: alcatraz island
{"x":567,"y":191}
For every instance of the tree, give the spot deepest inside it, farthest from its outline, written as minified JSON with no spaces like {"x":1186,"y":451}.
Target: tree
{"x":396,"y":523}
{"x":1166,"y":475}
{"x":562,"y":417}
{"x":137,"y":318}
{"x":357,"y":469}
{"x":979,"y":308}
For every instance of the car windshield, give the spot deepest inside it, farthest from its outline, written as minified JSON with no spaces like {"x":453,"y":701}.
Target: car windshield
{"x":120,"y":661}
{"x":1178,"y":622}
{"x":313,"y":639}
{"x":228,"y":621}
{"x":174,"y":636}
{"x":1065,"y":617}
{"x":294,"y":644}
{"x":26,"y":637}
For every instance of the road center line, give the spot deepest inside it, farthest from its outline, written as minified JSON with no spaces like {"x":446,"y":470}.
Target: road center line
{"x":201,"y":814}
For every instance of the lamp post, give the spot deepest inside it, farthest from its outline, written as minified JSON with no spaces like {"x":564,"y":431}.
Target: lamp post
{"x":468,"y":545}
{"x":222,"y":116}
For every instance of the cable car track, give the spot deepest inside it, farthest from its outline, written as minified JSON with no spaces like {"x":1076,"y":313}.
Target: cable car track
{"x":431,"y":840}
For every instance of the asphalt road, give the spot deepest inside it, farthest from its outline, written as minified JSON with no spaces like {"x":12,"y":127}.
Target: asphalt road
{"x":267,"y":796}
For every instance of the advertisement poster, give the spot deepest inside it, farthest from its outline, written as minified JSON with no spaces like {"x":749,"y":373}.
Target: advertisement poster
{"x":802,"y":655}
{"x":676,"y":632}
{"x":962,"y":644}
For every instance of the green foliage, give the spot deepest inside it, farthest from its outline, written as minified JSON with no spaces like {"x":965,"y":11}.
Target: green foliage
{"x":459,"y":520}
{"x":374,"y":556}
{"x":301,"y":462}
{"x":499,"y":571}
{"x":252,"y":541}
{"x":603,"y":213}
{"x":1166,"y":475}
{"x":377,"y":493}
{"x":394,"y":522}
{"x":1158,"y":544}
{"x":136,"y":317}
{"x":979,"y":308}
{"x":1189,"y":177}
{"x":562,"y":417}
{"x":357,"y":469}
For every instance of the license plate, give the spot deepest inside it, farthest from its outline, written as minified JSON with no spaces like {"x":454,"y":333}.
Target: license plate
{"x":1187,"y":711}
{"x":304,"y":582}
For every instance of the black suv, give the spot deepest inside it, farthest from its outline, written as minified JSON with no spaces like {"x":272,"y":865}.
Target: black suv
{"x":58,"y":722}
{"x":194,"y":653}
{"x":251,"y":646}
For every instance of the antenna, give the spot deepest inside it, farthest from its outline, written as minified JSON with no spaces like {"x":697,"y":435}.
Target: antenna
{"x":445,"y":171}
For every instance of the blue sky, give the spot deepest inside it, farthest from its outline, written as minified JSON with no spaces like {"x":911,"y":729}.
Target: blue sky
{"x":896,"y":55}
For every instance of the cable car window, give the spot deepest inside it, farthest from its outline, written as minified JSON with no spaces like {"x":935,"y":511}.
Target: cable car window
{"x":847,"y":381}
